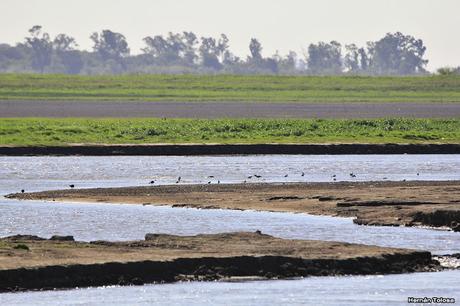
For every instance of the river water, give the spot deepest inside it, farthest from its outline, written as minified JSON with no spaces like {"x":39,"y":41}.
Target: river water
{"x":125,"y":222}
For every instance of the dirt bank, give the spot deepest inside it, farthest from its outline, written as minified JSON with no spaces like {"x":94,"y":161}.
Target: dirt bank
{"x":228,"y":149}
{"x":33,"y":263}
{"x":435,"y":204}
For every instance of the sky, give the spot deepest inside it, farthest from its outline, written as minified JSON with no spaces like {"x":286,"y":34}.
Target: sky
{"x":279,"y":25}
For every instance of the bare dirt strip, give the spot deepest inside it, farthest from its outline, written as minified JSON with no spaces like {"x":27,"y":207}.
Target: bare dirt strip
{"x":133,"y":109}
{"x":34,"y":263}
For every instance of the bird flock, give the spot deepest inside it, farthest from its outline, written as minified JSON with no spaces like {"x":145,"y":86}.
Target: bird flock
{"x":211,"y":179}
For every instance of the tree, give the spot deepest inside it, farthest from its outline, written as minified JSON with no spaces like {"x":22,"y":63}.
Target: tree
{"x":67,"y":56}
{"x":448,"y":71}
{"x":174,"y":49}
{"x":214,"y":53}
{"x":356,"y":59}
{"x":257,"y":63}
{"x":351,"y":60}
{"x":288,"y":64}
{"x":397,"y":54}
{"x":62,"y":42}
{"x":255,"y":47}
{"x":364,"y":59}
{"x":190,"y":41}
{"x":41,"y":47}
{"x":325,"y":58}
{"x":209,"y":53}
{"x":110,"y":45}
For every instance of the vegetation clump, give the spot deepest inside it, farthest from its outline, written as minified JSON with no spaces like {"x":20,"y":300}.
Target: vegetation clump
{"x":21,"y":247}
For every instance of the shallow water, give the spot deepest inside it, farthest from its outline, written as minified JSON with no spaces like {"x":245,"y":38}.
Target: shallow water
{"x":350,"y":291}
{"x":38,"y":173}
{"x":123,"y":222}
{"x":128,"y":222}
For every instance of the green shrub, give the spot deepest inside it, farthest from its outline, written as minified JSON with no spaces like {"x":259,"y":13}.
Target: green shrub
{"x":21,"y":247}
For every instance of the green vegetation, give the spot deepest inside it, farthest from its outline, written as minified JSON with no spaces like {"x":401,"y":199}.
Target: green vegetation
{"x":231,"y":88}
{"x":21,"y":247}
{"x":33,"y":131}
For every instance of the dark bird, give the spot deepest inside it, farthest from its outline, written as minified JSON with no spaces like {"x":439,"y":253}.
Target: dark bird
{"x":303,"y":174}
{"x":334,"y":175}
{"x":22,"y":191}
{"x":218,"y":182}
{"x":418,"y":174}
{"x":335,"y":179}
{"x":352,"y":174}
{"x":286,"y":175}
{"x":209,"y":182}
{"x":211,"y":176}
{"x":72,"y":186}
{"x":250,"y":177}
{"x":257,"y":176}
{"x":152,"y":182}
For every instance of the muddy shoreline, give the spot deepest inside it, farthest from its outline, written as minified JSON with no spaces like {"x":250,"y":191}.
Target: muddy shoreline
{"x":228,"y":149}
{"x":60,"y":262}
{"x":418,"y":203}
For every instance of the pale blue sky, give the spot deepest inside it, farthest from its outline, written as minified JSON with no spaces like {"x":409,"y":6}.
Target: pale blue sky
{"x":280,"y":25}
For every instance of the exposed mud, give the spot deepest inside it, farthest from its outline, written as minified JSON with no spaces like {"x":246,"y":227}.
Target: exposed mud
{"x":227,"y":149}
{"x":41,"y":264}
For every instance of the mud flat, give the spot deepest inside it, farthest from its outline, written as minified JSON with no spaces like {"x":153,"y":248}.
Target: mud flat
{"x":34,"y":263}
{"x":423,"y":203}
{"x":226,"y":149}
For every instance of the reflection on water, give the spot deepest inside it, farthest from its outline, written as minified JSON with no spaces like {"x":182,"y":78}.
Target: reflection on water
{"x":123,"y":222}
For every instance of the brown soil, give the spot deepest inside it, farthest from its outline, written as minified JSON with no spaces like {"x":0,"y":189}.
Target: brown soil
{"x":30,"y":262}
{"x":434,"y":204}
{"x":226,"y":149}
{"x":168,"y":247}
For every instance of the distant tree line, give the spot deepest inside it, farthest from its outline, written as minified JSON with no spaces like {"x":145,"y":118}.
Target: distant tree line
{"x":394,"y":54}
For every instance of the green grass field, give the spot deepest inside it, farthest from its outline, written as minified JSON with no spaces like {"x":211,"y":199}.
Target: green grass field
{"x":32,"y":131}
{"x":231,"y":88}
